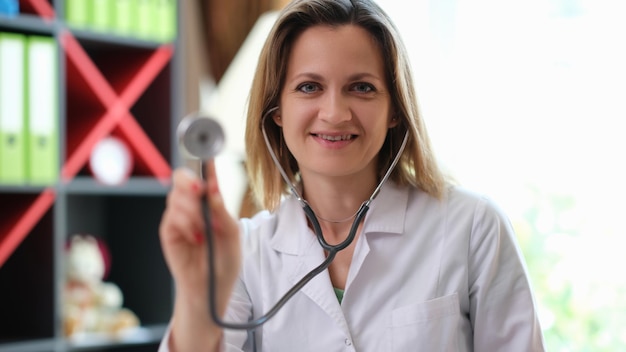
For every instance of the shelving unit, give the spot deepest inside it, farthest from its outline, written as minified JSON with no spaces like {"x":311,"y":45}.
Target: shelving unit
{"x":108,"y":85}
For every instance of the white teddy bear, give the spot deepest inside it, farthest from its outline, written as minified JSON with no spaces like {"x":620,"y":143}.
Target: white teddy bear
{"x":90,"y":304}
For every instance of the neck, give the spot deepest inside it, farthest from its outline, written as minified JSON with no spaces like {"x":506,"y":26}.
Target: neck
{"x":336,"y":201}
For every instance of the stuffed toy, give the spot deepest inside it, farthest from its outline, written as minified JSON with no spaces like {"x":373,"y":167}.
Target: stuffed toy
{"x":92,"y":305}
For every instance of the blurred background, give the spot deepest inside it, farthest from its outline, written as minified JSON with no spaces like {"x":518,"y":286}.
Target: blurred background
{"x":524,"y":102}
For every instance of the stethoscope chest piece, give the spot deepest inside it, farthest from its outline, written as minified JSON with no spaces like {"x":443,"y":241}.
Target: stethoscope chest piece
{"x":200,"y":137}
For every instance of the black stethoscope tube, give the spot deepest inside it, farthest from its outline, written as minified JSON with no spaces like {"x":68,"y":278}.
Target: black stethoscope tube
{"x":331,"y":249}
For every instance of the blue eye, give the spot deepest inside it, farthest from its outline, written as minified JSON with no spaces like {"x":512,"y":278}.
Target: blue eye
{"x":307,"y":88}
{"x":363,"y":87}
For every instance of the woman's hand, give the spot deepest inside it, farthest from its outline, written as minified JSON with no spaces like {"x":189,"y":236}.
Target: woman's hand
{"x":183,"y":239}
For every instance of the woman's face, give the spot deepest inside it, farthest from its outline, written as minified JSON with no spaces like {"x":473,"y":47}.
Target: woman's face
{"x":335,"y":107}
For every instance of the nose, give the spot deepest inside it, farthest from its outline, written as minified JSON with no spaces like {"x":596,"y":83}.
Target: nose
{"x":335,"y":107}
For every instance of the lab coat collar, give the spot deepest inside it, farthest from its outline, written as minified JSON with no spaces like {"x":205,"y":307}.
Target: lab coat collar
{"x":302,"y":252}
{"x":386,"y":215}
{"x":388,"y":210}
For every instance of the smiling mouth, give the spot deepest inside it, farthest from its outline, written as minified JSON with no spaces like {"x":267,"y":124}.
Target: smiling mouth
{"x":345,"y":137}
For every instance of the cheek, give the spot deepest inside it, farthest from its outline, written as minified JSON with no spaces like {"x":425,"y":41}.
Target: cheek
{"x":375,"y":119}
{"x":291,"y":134}
{"x":295,"y":117}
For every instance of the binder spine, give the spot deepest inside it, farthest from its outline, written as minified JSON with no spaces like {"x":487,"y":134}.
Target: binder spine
{"x":12,"y":117}
{"x":42,"y":111}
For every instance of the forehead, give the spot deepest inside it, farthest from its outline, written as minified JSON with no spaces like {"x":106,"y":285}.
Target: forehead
{"x":346,"y":46}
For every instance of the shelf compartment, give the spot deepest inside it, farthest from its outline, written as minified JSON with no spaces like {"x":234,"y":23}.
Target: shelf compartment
{"x":118,"y":97}
{"x":26,"y":313}
{"x":20,"y":214}
{"x":40,"y":8}
{"x":128,"y":224}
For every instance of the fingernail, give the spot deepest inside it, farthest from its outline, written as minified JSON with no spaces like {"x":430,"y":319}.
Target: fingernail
{"x":216,"y":225}
{"x":214,"y":188}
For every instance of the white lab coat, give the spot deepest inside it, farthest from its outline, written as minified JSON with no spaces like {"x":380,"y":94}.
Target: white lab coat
{"x":427,"y":275}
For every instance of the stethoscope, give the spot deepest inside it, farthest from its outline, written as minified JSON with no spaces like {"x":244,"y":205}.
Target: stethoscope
{"x":202,"y":138}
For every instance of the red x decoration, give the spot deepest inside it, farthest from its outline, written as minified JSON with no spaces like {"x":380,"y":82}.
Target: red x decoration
{"x":42,"y":8}
{"x":118,"y":108}
{"x":115,"y":94}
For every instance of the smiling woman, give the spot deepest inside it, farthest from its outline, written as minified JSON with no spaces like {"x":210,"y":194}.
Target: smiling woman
{"x":528,"y":114}
{"x":333,"y":127}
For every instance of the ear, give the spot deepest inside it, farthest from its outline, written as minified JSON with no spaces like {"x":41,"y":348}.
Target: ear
{"x":394,"y":121}
{"x":277,"y":118}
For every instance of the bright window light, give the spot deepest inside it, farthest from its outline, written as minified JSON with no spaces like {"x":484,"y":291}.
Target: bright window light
{"x":524,"y":101}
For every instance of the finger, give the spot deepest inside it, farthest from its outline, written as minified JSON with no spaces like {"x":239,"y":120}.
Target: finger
{"x":212,"y":187}
{"x":183,"y":216}
{"x":171,"y":231}
{"x":211,"y":175}
{"x":221,"y":219}
{"x":216,"y":203}
{"x":186,"y":180}
{"x":186,"y":197}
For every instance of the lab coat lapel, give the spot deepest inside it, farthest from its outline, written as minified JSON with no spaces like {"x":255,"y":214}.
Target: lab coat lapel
{"x":360,"y":253}
{"x":386,"y":215}
{"x":301,"y":253}
{"x":320,"y":289}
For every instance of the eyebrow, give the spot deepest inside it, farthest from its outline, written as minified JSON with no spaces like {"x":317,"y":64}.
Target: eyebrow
{"x":318,"y":77}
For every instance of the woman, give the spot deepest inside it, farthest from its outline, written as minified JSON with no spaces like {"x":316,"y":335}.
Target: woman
{"x":432,"y":267}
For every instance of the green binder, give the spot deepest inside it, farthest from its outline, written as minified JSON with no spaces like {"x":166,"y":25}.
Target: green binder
{"x":42,"y":97}
{"x":102,"y":14}
{"x":165,"y":28}
{"x":12,"y":117}
{"x":77,"y":13}
{"x":146,"y":21}
{"x":125,"y":17}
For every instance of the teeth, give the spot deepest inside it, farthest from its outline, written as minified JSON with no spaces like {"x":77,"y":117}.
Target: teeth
{"x":335,"y":138}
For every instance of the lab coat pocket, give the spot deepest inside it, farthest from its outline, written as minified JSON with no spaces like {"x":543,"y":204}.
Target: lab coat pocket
{"x":427,"y":326}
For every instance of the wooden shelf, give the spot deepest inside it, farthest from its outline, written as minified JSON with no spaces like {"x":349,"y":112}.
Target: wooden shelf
{"x":139,"y":186}
{"x":133,"y":340}
{"x":109,"y":85}
{"x":26,"y":23}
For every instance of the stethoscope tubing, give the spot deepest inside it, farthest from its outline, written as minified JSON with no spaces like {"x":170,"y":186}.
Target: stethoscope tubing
{"x":332,"y":251}
{"x":310,"y":214}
